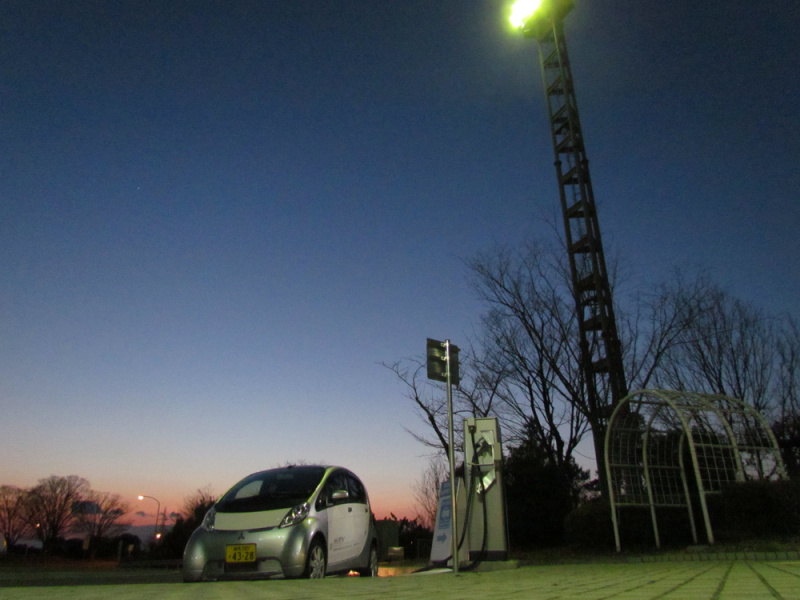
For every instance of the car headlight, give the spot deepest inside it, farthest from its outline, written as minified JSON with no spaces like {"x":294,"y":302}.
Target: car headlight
{"x":208,"y":520}
{"x":296,"y":514}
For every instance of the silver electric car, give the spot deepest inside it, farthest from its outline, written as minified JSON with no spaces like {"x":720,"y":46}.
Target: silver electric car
{"x":296,"y":521}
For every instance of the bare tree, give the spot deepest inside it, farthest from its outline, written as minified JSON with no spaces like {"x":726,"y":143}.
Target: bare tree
{"x":475,"y":396}
{"x":196,"y":504}
{"x":13,"y":524}
{"x":655,"y":323}
{"x":530,"y":344}
{"x":430,"y":407}
{"x":427,"y":487}
{"x":729,"y":348}
{"x":99,"y":515}
{"x":786,"y":421}
{"x":49,"y":505}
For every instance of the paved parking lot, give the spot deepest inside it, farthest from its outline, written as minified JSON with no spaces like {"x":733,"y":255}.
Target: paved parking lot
{"x":715,"y":580}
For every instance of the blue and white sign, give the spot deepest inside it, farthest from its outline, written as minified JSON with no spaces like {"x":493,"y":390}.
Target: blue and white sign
{"x":441,"y":549}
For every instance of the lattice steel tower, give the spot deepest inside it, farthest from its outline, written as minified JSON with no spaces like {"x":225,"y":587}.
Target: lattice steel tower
{"x":601,"y":354}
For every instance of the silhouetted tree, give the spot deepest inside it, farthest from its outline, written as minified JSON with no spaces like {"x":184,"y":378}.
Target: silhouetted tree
{"x":729,"y":349}
{"x":13,"y":524}
{"x":411,"y":533}
{"x":655,"y":322}
{"x":540,"y":493}
{"x":49,"y":506}
{"x":195,"y":508}
{"x":426,"y":489}
{"x":197,"y":504}
{"x":787,"y":432}
{"x":530,"y":345}
{"x":733,"y":348}
{"x":98,"y":516}
{"x":786,"y":422}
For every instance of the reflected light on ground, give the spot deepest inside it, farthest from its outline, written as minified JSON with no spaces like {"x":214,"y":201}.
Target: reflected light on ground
{"x":394,"y":570}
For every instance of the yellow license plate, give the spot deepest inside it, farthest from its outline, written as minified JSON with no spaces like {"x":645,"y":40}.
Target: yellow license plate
{"x":240,"y":553}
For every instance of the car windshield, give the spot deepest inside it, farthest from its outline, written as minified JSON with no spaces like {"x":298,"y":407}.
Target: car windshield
{"x":272,"y":490}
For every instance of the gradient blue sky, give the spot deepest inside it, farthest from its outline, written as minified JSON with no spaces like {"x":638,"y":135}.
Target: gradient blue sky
{"x":217,"y":218}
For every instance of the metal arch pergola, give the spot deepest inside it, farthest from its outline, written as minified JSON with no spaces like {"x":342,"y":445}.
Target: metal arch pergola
{"x":652,"y":431}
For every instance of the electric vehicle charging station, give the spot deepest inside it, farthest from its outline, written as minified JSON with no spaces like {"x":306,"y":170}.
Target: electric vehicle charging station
{"x":486,"y":526}
{"x":475,"y":504}
{"x":480,"y":506}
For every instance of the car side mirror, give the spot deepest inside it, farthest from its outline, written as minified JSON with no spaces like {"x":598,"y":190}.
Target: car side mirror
{"x":340,"y":495}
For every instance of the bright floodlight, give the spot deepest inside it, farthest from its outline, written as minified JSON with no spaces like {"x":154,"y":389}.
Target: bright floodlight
{"x":522,"y":11}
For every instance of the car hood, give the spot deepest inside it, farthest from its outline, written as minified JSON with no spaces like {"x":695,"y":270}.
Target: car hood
{"x":225,"y":521}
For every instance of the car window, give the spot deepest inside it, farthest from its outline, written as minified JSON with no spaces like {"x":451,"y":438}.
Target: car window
{"x":272,"y":490}
{"x":250,"y":489}
{"x":356,"y":489}
{"x":336,"y":482}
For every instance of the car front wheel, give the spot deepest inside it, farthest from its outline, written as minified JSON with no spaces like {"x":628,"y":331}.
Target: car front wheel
{"x":315,"y":562}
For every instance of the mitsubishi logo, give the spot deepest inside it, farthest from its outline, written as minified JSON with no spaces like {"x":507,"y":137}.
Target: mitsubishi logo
{"x":241,"y":536}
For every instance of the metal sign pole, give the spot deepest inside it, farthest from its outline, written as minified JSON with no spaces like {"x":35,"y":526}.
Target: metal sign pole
{"x":444,"y":368}
{"x":451,"y":457}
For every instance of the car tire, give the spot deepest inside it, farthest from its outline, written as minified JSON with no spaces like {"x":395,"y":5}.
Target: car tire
{"x":371,"y":569}
{"x":192,"y":577}
{"x":316,"y":561}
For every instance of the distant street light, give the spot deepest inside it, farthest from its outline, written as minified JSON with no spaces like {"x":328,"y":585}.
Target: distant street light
{"x":158,"y":512}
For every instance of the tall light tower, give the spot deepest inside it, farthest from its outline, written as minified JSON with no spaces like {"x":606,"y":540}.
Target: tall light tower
{"x":601,"y":356}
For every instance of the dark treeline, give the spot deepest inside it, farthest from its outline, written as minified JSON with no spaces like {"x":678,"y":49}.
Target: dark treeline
{"x":61,"y":506}
{"x":71,"y":519}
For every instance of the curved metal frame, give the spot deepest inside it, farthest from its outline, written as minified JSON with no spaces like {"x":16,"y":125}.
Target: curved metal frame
{"x":644,"y":450}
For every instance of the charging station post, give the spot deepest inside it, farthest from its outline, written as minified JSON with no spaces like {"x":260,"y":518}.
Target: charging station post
{"x":486,"y":527}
